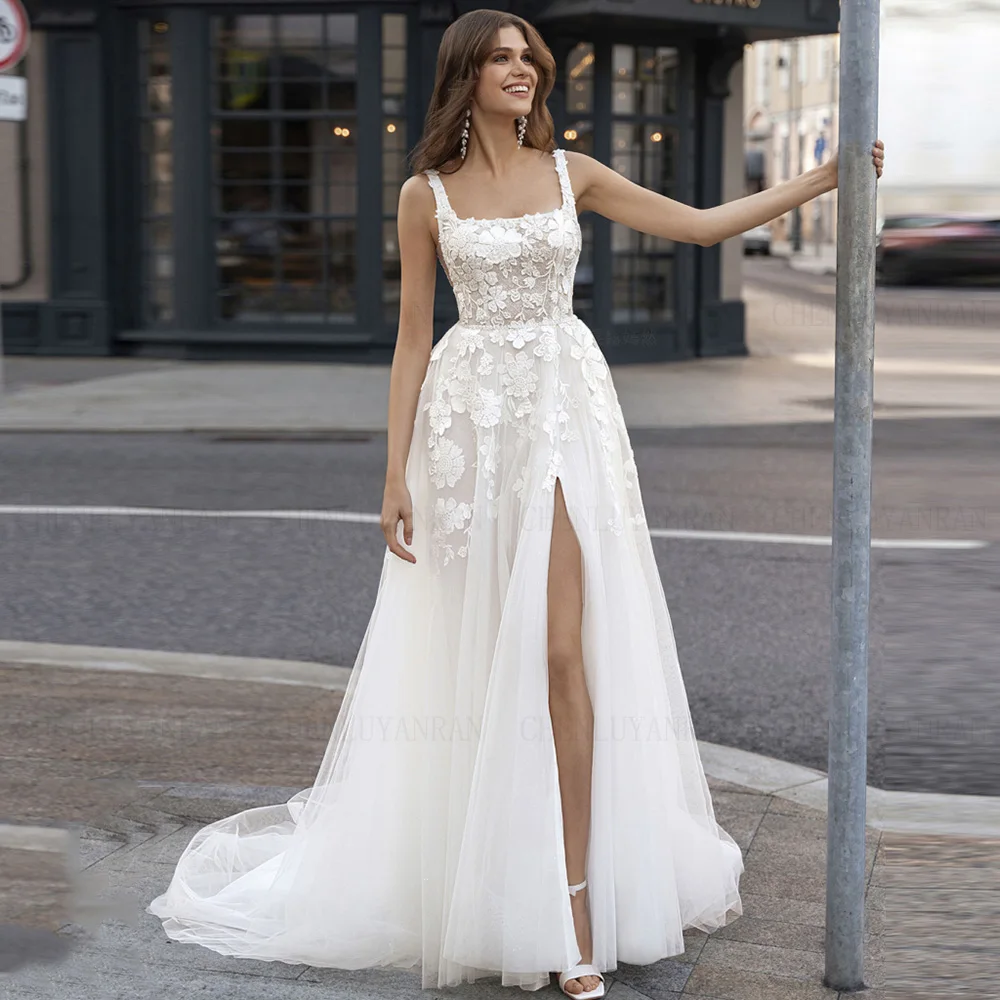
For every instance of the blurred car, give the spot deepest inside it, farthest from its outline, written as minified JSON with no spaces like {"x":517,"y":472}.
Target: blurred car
{"x":910,"y":249}
{"x":757,"y":240}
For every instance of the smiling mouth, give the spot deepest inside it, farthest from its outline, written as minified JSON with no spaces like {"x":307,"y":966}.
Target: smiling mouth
{"x":525,"y":92}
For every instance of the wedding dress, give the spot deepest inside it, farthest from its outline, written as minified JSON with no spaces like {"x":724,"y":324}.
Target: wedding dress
{"x":432,"y":834}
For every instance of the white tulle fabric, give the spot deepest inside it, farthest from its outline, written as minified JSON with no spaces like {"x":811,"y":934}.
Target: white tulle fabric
{"x":432,"y":835}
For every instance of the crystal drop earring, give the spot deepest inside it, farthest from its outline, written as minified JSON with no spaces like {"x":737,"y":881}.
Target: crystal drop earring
{"x":522,"y":124}
{"x":465,"y":132}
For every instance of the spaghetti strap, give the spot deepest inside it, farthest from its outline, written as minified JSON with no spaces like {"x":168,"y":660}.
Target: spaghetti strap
{"x":564,"y":182}
{"x":440,"y":195}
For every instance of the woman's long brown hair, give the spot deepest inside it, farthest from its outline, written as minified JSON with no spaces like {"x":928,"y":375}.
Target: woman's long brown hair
{"x":465,"y":47}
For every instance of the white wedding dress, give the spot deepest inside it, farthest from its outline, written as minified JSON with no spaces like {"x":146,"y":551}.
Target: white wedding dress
{"x":432,"y":834}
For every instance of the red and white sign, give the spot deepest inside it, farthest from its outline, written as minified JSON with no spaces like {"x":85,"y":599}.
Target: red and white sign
{"x":14,"y":33}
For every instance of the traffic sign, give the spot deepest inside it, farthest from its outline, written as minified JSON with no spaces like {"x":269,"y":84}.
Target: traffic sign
{"x":14,"y":33}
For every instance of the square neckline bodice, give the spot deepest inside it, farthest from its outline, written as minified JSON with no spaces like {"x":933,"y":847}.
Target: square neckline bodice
{"x":565,"y":193}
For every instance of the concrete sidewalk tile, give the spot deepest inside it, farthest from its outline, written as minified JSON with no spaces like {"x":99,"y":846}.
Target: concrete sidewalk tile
{"x":797,"y":850}
{"x":144,"y":945}
{"x":734,"y":801}
{"x":621,"y":991}
{"x":775,"y":933}
{"x":659,"y":980}
{"x":742,"y":828}
{"x":788,"y":807}
{"x":807,"y":888}
{"x":787,"y":962}
{"x":793,"y":911}
{"x":389,"y":982}
{"x":104,"y":976}
{"x":694,"y":944}
{"x":721,"y":983}
{"x":93,"y":848}
{"x":209,"y":802}
{"x":136,"y":936}
{"x":162,"y":849}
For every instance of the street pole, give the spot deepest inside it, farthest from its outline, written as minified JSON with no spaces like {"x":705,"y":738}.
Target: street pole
{"x":852,"y":473}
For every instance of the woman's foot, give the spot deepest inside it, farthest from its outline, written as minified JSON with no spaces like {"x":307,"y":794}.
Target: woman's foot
{"x":581,"y":921}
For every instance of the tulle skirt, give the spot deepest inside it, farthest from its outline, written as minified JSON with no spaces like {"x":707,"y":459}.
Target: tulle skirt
{"x":432,"y":836}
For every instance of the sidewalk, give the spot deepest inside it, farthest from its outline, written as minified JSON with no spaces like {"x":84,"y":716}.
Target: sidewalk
{"x":813,"y":260}
{"x":109,"y":772}
{"x":789,"y":378}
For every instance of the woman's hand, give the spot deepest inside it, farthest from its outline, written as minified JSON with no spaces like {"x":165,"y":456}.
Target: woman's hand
{"x":878,"y":159}
{"x":397,"y":506}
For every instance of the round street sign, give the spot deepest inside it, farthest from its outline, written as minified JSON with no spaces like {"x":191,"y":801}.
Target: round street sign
{"x":13,"y":33}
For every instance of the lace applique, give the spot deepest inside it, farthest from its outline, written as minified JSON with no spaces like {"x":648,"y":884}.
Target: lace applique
{"x":516,"y":361}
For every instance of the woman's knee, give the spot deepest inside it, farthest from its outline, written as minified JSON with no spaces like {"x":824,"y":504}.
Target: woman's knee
{"x":565,"y":656}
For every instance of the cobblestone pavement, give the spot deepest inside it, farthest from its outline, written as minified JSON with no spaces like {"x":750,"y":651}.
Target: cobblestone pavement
{"x":125,"y":767}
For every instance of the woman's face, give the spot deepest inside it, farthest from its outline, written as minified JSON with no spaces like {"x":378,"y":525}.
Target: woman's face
{"x":508,"y":79}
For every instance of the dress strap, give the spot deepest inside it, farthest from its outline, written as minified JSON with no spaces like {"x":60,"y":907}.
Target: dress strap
{"x":564,"y":182}
{"x":440,"y":195}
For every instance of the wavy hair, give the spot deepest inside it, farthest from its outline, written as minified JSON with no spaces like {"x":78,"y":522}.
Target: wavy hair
{"x":465,"y":47}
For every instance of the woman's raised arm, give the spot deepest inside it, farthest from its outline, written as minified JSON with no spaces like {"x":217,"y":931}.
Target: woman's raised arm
{"x":606,"y":192}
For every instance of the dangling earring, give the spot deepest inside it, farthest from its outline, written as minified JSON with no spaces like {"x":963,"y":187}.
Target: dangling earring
{"x":522,"y":124}
{"x":465,"y":131}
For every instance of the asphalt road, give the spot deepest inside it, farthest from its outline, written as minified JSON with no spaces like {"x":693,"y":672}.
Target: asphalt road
{"x":944,"y":305}
{"x":752,"y":619}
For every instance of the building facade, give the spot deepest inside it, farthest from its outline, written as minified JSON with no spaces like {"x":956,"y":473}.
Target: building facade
{"x":938,"y":77}
{"x":219,"y":180}
{"x":791,"y":90}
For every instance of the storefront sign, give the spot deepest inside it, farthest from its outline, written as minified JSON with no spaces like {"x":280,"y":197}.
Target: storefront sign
{"x":14,"y":33}
{"x":13,"y":98}
{"x":753,"y":4}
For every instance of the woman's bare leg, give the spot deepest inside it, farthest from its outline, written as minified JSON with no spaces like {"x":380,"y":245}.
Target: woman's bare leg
{"x":572,"y":716}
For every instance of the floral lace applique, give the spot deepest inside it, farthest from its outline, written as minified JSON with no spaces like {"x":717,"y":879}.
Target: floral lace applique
{"x":516,"y":360}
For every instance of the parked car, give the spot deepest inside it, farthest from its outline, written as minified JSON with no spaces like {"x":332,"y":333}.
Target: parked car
{"x":757,"y":240}
{"x":911,"y":249}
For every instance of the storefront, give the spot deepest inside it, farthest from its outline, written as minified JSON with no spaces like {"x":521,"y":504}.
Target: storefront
{"x":222,"y":178}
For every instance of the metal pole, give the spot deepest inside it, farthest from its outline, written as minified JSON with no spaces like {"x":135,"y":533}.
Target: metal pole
{"x":852,"y":469}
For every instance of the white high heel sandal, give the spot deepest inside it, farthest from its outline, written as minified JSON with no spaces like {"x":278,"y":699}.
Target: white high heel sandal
{"x":581,"y":970}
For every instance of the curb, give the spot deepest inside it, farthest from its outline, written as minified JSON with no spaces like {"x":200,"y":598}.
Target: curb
{"x":203,"y":666}
{"x":890,"y":811}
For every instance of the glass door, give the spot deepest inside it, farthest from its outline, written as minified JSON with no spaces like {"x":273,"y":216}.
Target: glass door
{"x":284,"y":167}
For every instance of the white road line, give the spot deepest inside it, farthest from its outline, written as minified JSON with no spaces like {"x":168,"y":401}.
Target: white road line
{"x":763,"y":538}
{"x":356,"y":517}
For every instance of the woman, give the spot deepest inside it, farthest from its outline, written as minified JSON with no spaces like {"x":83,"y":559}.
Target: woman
{"x":512,"y":784}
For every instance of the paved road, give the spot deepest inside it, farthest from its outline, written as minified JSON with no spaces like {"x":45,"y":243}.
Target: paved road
{"x":751,"y":619}
{"x":931,"y":305}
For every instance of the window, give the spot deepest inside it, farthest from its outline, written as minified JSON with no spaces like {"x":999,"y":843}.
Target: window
{"x":643,"y":265}
{"x":284,"y":166}
{"x":156,"y":150}
{"x":579,"y":135}
{"x":644,"y":138}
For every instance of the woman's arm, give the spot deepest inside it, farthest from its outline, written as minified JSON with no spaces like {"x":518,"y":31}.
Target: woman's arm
{"x":606,"y":192}
{"x":418,"y":271}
